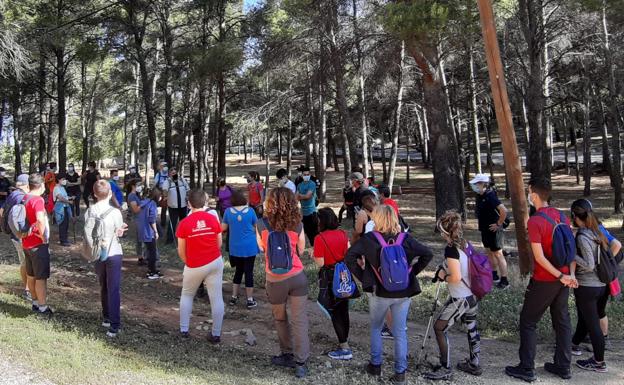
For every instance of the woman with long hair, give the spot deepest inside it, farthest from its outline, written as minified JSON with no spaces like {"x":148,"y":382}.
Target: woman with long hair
{"x":283,"y":232}
{"x":591,"y":294}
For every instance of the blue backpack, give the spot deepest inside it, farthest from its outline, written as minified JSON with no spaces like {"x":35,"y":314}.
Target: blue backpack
{"x":279,"y":251}
{"x":394,"y":270}
{"x":343,"y":285}
{"x":563,"y":242}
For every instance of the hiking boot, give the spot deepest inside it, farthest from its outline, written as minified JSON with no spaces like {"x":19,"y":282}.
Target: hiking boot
{"x":215,"y":340}
{"x":468,"y":367}
{"x":576,"y":350}
{"x":251,"y":303}
{"x":521,"y":373}
{"x":439,"y":373}
{"x":563,"y":373}
{"x":301,"y":370}
{"x":112,"y":333}
{"x":341,"y":354}
{"x":106,"y":323}
{"x":286,"y":360}
{"x":185,"y":335}
{"x":398,"y":379}
{"x":592,"y":365}
{"x":46,"y":314}
{"x":373,"y":370}
{"x":233,"y":301}
{"x":386,"y":334}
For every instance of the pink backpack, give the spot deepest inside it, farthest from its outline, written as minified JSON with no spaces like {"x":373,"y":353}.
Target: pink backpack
{"x":480,"y":270}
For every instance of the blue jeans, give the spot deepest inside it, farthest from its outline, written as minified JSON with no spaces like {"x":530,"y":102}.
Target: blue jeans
{"x":378,"y":307}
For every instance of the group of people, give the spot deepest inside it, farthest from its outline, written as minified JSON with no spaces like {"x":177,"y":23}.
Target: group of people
{"x":281,"y":220}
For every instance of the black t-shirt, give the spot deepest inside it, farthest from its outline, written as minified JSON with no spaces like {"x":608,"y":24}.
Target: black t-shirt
{"x":348,"y":194}
{"x":451,"y":252}
{"x":5,"y":186}
{"x":90,"y":179}
{"x":486,"y":210}
{"x":73,"y":178}
{"x":358,"y":194}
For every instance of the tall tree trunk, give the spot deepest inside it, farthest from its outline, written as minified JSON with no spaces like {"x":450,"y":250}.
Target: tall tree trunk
{"x":61,"y":114}
{"x":361,"y":91}
{"x":16,"y":111}
{"x":288,"y":139}
{"x":397,"y":119}
{"x":474,"y":115}
{"x":587,"y":142}
{"x":83,"y":117}
{"x":41,"y":102}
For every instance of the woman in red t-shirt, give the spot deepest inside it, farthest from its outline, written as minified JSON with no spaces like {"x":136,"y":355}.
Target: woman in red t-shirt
{"x":255,"y":190}
{"x":330,"y":247}
{"x":199,"y":247}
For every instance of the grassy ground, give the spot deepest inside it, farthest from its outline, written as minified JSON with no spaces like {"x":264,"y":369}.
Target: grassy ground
{"x":72,"y":349}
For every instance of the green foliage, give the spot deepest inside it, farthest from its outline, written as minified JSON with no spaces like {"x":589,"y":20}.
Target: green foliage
{"x":417,"y":17}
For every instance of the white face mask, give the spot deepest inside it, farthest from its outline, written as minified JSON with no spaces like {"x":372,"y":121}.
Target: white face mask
{"x":64,"y":182}
{"x":2,"y":174}
{"x":132,"y":171}
{"x":530,"y":200}
{"x":139,"y":189}
{"x":165,"y":169}
{"x":116,"y":178}
{"x":476,"y":188}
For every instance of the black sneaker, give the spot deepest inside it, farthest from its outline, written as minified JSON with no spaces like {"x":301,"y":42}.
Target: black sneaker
{"x":301,"y":370}
{"x":502,"y":285}
{"x":563,"y":373}
{"x":286,"y":360}
{"x":398,"y":379}
{"x":468,"y":367}
{"x":106,"y":323}
{"x":373,"y":370}
{"x":185,"y":335}
{"x":527,"y":375}
{"x":592,"y":365}
{"x":34,"y":308}
{"x":439,"y":373}
{"x":495,"y":277}
{"x":386,"y":334}
{"x":576,"y":350}
{"x":215,"y":340}
{"x":112,"y":333}
{"x":251,"y":303}
{"x":46,"y":314}
{"x":153,"y":276}
{"x":233,"y":301}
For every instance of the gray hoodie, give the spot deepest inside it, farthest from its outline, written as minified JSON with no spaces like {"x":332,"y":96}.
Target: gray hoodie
{"x":587,"y":243}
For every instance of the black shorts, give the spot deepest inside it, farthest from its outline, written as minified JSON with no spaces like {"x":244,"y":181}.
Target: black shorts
{"x":38,"y":262}
{"x":492,"y":241}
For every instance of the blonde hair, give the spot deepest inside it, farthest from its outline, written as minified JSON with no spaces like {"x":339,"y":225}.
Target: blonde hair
{"x":450,"y":224}
{"x":386,"y":220}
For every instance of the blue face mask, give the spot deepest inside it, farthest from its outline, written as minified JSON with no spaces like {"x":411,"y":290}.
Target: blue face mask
{"x":476,"y":188}
{"x":306,"y":178}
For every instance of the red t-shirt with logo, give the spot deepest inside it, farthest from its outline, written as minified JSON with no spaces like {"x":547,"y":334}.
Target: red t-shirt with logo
{"x":33,"y":206}
{"x":540,"y":231}
{"x":331,"y":245}
{"x":200,"y":230}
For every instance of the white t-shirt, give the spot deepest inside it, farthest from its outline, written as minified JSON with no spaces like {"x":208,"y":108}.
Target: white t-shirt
{"x":459,"y":289}
{"x":171,"y":188}
{"x":112,"y":222}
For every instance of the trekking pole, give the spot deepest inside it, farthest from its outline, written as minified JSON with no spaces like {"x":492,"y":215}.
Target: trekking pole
{"x":434,"y":307}
{"x":175,"y":240}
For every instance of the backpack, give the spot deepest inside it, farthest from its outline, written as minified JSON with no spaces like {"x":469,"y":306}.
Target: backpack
{"x":343,"y":285}
{"x":6,"y":215}
{"x":606,"y":265}
{"x":480,"y":272}
{"x":17,"y":219}
{"x":279,"y":252}
{"x":563,"y":242}
{"x":93,"y":247}
{"x":394,"y":270}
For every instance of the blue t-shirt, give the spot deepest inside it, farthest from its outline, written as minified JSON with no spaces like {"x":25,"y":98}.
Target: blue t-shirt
{"x":134,"y":197}
{"x":308,"y":207}
{"x":606,"y":233}
{"x":242,"y":237}
{"x":116,"y":191}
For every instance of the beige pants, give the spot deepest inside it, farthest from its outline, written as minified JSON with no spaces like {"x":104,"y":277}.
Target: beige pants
{"x":212,"y":275}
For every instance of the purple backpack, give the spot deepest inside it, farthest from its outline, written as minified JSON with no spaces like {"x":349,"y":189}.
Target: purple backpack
{"x":480,"y":272}
{"x":394,"y":270}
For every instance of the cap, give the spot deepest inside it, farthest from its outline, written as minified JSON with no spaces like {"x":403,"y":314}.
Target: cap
{"x":357,"y":176}
{"x":480,"y":178}
{"x":22,"y":180}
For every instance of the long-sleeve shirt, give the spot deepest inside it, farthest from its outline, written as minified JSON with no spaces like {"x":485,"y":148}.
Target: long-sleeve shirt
{"x":587,"y":245}
{"x":418,"y":256}
{"x":145,"y":220}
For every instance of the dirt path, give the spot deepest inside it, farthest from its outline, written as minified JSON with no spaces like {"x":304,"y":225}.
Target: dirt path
{"x":16,"y":374}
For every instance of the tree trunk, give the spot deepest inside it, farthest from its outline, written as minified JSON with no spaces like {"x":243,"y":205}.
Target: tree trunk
{"x":61,"y":114}
{"x":587,"y":143}
{"x":42,"y":101}
{"x":83,"y":118}
{"x":474,"y":115}
{"x":288,"y":139}
{"x":361,"y":92}
{"x":397,"y":119}
{"x":16,"y":111}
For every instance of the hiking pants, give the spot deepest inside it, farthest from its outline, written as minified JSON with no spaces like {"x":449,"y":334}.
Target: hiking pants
{"x":64,"y":227}
{"x":340,"y":320}
{"x":292,"y":329}
{"x":212,"y":276}
{"x":377,"y":309}
{"x":587,"y":299}
{"x":109,"y":276}
{"x":539,"y":297}
{"x":310,"y":227}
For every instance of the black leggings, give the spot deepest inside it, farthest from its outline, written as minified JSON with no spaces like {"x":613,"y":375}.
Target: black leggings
{"x":310,"y":226}
{"x":243,"y":266}
{"x":340,"y":319}
{"x":152,"y":255}
{"x":587,"y":299}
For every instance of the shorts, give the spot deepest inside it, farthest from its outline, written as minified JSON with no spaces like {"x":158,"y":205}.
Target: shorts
{"x":20,"y":251}
{"x":295,"y":286}
{"x":38,"y":262}
{"x":493,"y":241}
{"x":456,"y":309}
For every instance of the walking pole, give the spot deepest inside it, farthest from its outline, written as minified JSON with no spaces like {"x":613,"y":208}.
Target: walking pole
{"x":430,"y":323}
{"x":175,"y":240}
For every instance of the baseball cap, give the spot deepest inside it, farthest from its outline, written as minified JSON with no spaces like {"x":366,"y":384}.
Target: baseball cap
{"x":480,"y":178}
{"x":22,"y":180}
{"x":357,"y":176}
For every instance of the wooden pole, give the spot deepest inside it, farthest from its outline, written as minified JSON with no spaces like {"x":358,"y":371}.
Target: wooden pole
{"x":513,"y":165}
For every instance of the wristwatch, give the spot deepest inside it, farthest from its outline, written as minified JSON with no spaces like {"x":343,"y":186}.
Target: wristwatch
{"x":560,"y":276}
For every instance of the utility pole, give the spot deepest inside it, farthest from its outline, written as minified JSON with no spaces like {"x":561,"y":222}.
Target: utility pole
{"x":513,"y":165}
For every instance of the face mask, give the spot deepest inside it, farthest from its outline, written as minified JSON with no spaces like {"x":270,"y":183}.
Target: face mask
{"x":70,"y":169}
{"x":139,"y":189}
{"x":306,"y":178}
{"x":476,"y":188}
{"x":165,"y":169}
{"x":530,"y":200}
{"x":299,"y":173}
{"x":2,"y":174}
{"x":132,"y":171}
{"x":64,"y":183}
{"x":116,"y":178}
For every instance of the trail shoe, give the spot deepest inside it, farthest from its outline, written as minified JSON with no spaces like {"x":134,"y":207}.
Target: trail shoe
{"x":521,"y":373}
{"x":592,"y":365}
{"x":373,"y":370}
{"x":398,"y":379}
{"x":495,"y":277}
{"x":440,"y":373}
{"x":112,"y":333}
{"x":341,"y":354}
{"x":576,"y":350}
{"x":468,"y":367}
{"x":46,"y":314}
{"x":233,"y":301}
{"x":286,"y":360}
{"x":215,"y":340}
{"x":386,"y":334}
{"x":185,"y":335}
{"x":563,"y":373}
{"x":502,"y":285}
{"x":27,"y":296}
{"x":301,"y":370}
{"x":34,"y":308}
{"x":251,"y":303}
{"x":153,"y":276}
{"x":106,"y":323}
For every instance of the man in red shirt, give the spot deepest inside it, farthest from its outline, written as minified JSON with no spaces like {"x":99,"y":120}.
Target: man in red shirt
{"x":548,"y":288}
{"x":35,"y":246}
{"x":199,"y":247}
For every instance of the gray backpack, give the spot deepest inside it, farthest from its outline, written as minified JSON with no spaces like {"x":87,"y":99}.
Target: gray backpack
{"x":94,"y":247}
{"x":17,"y":220}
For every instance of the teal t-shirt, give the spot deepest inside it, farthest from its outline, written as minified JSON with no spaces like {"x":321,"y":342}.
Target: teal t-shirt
{"x":308,"y":207}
